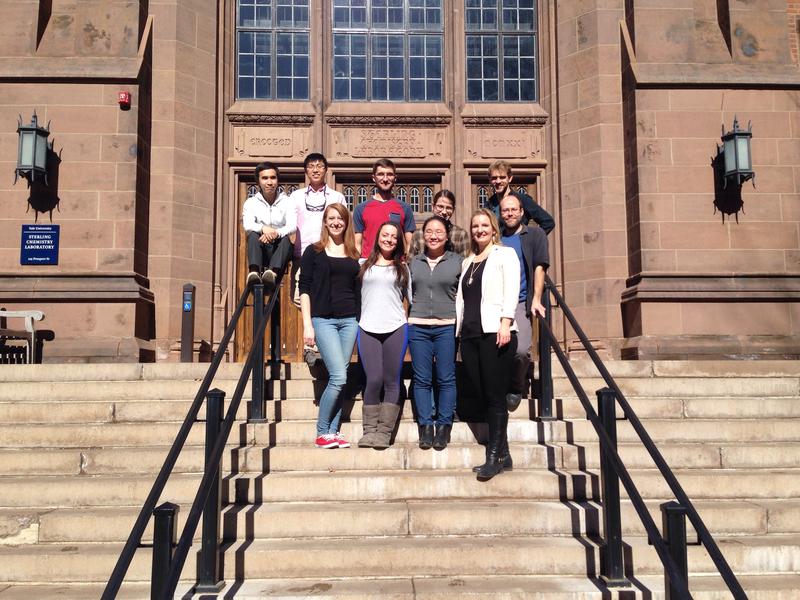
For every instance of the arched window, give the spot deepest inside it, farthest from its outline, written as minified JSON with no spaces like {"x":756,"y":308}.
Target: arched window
{"x":414,"y":199}
{"x":252,"y":190}
{"x":483,"y":197}
{"x":362,"y":194}
{"x":427,"y":199}
{"x":348,"y":196}
{"x":400,"y":193}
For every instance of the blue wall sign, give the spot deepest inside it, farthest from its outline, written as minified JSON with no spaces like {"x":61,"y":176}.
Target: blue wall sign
{"x":39,"y":245}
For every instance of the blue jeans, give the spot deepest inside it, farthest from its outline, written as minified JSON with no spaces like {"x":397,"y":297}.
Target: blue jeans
{"x":429,"y":342}
{"x":335,"y":340}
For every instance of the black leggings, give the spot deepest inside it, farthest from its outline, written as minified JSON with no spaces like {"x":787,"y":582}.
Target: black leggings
{"x":488,"y":367}
{"x":382,"y":357}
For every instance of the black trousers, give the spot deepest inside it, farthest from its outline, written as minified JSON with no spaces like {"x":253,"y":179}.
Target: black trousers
{"x":273,"y":255}
{"x":489,"y":368}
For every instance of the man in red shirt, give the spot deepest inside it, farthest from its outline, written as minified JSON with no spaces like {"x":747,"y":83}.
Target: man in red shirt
{"x":383,"y":207}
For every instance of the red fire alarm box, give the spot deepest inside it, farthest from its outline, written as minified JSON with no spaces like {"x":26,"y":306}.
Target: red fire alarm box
{"x":124,"y":100}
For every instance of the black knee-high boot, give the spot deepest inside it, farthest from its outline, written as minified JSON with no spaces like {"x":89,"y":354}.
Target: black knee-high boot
{"x":498,"y":422}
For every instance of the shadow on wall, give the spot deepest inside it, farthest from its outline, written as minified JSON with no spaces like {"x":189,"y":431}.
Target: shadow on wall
{"x":727,"y":200}
{"x":44,"y":197}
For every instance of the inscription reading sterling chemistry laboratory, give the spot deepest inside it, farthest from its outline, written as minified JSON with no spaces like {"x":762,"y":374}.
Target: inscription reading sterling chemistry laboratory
{"x":39,"y":245}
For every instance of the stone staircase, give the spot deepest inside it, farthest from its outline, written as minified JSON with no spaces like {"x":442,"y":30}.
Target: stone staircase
{"x":80,"y":446}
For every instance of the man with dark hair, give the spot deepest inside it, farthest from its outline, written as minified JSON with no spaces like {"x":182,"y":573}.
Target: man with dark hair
{"x":268,"y":219}
{"x":310,"y":202}
{"x":500,"y":176}
{"x":369,"y":216}
{"x":530,"y":244}
{"x":309,"y":205}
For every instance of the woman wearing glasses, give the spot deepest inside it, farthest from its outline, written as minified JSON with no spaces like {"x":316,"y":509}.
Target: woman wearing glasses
{"x":431,"y":333}
{"x":330,"y":300}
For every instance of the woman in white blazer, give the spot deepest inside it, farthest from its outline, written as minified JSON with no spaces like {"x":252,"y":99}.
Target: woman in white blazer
{"x":487,"y":297}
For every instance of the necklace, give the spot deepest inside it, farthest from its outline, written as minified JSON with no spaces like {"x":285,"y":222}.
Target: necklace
{"x":475,"y":266}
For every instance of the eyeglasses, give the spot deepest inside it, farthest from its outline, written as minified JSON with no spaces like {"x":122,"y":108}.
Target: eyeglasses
{"x":321,"y":207}
{"x":315,"y":167}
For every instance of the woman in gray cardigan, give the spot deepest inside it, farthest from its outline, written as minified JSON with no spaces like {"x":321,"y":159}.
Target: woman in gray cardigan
{"x":431,"y":333}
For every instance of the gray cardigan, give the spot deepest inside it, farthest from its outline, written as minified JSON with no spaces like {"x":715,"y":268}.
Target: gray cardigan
{"x":434,"y":291}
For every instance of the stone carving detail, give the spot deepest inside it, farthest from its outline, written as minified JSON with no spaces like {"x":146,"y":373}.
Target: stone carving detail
{"x":504,"y":143}
{"x":384,"y":120}
{"x":275,"y":142}
{"x":271,"y":119}
{"x":401,"y":143}
{"x":532,"y":121}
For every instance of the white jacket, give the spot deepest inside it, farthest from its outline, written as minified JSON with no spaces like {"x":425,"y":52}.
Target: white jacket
{"x":279,"y":215}
{"x":499,"y":289}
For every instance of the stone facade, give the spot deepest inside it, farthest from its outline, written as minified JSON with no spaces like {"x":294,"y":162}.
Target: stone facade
{"x":655,"y":259}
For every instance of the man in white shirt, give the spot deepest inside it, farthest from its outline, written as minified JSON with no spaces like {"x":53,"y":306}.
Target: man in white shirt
{"x":268,"y":219}
{"x":309,"y":205}
{"x":310,"y":202}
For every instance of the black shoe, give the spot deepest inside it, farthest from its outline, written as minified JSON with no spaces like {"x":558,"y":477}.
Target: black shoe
{"x":442,"y":437}
{"x":492,"y":467}
{"x":508,"y":463}
{"x":253,"y":277}
{"x":425,"y":436}
{"x":268,"y":278}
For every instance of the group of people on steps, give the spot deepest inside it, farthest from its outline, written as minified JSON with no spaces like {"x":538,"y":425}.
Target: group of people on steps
{"x":371,"y":279}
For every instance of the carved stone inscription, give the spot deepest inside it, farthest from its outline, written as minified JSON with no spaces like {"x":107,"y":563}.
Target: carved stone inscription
{"x":270,"y":141}
{"x":399,"y":143}
{"x":505,"y":143}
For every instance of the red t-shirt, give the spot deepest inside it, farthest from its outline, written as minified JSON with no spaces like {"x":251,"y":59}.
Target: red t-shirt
{"x":369,"y":216}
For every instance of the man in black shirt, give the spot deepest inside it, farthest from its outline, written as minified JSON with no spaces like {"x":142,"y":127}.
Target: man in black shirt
{"x":500,"y":177}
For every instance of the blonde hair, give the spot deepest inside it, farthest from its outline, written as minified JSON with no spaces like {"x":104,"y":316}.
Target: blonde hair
{"x":349,"y":238}
{"x":500,"y":165}
{"x":484,"y":212}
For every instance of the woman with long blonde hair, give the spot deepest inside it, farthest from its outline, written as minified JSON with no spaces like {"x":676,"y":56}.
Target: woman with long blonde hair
{"x":486,"y":301}
{"x":330,"y":301}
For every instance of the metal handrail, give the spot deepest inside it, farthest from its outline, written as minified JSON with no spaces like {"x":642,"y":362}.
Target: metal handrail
{"x":654,"y":535}
{"x":134,"y":540}
{"x":215,"y":458}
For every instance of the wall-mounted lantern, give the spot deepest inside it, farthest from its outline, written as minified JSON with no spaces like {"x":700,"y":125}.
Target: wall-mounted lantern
{"x":735,"y":148}
{"x":33,"y":150}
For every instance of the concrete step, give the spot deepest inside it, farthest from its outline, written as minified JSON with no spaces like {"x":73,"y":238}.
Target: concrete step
{"x":72,"y":491}
{"x":138,"y":372}
{"x":397,"y":518}
{"x":111,"y":490}
{"x":403,"y":557}
{"x":263,"y":459}
{"x":112,"y":410}
{"x":484,"y":587}
{"x":577,"y":431}
{"x":304,"y":388}
{"x":302,"y":433}
{"x":582,"y":366}
{"x":523,"y":484}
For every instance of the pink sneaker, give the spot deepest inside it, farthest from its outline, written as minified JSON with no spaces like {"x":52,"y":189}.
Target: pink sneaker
{"x":326,"y":441}
{"x":343,"y":443}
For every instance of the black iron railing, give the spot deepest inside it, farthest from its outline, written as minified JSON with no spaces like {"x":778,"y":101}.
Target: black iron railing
{"x":671,"y":546}
{"x":169,"y":557}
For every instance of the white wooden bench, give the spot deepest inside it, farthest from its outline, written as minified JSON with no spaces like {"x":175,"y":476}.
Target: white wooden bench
{"x":11,"y":354}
